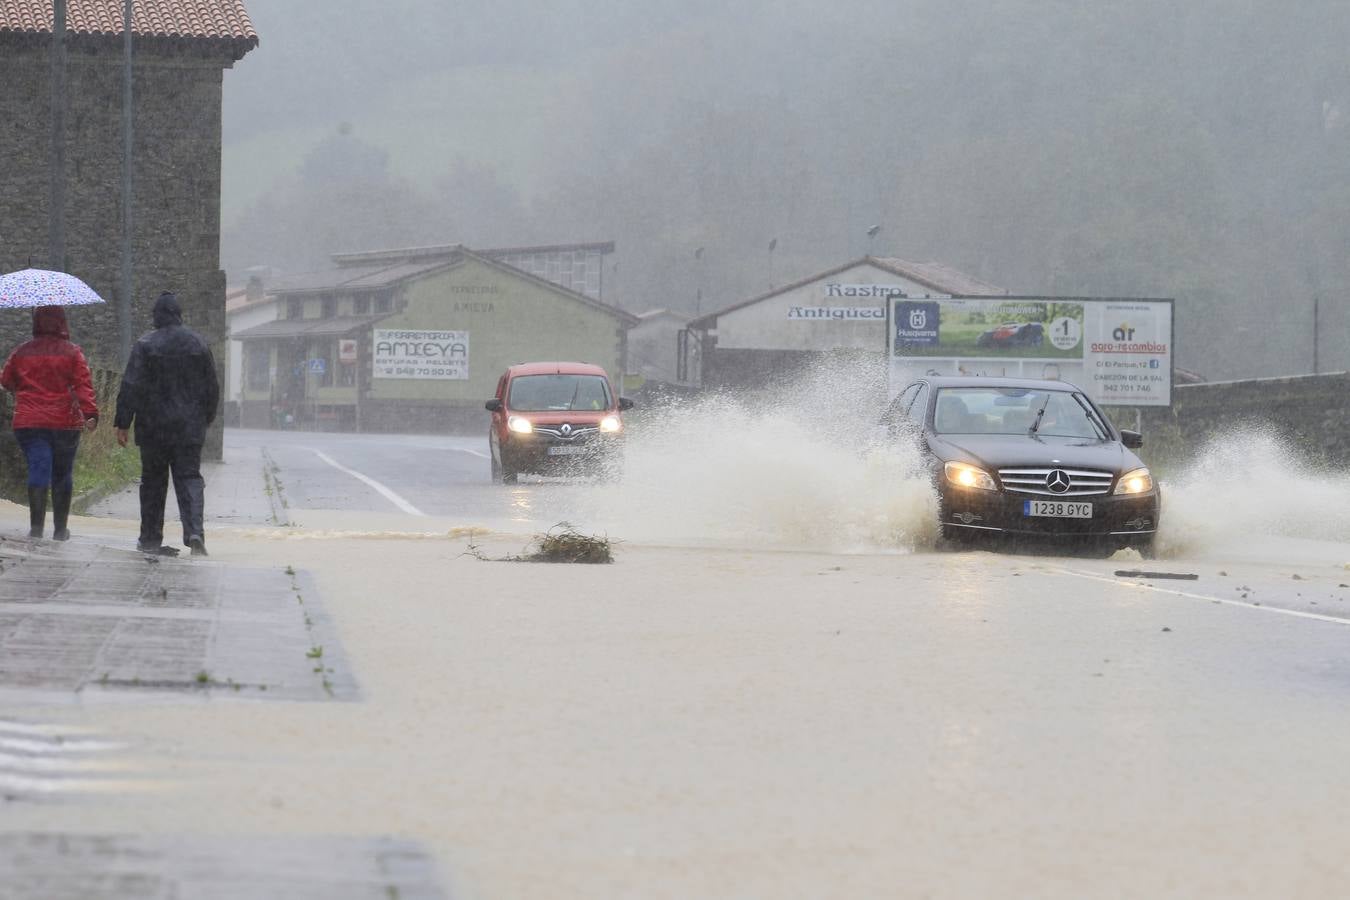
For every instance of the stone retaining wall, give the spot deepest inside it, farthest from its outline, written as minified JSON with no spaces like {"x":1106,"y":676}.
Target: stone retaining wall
{"x":1312,"y":412}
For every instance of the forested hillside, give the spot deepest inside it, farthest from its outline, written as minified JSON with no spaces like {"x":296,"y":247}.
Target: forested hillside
{"x":1197,"y":150}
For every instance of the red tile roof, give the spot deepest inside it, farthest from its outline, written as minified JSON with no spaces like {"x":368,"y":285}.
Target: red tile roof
{"x":225,"y":20}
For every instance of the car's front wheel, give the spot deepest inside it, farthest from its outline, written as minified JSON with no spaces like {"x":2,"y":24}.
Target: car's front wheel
{"x":502,"y":471}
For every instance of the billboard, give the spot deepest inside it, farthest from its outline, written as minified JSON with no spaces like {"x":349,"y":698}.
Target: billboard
{"x":1119,"y":351}
{"x":421,"y":354}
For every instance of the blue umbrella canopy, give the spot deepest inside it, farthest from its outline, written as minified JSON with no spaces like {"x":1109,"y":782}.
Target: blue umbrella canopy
{"x":38,"y":287}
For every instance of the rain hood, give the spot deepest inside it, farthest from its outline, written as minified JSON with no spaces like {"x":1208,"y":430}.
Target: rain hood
{"x":50,"y":321}
{"x":167,"y":310}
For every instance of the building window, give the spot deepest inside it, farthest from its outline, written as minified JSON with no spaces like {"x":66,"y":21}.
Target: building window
{"x":295,"y":308}
{"x":384,"y":304}
{"x":329,"y":308}
{"x":361,"y":306}
{"x":327,"y":351}
{"x":259,"y":376}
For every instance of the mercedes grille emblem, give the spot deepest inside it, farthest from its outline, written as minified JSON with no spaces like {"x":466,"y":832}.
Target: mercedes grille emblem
{"x":1057,"y":481}
{"x":566,"y":430}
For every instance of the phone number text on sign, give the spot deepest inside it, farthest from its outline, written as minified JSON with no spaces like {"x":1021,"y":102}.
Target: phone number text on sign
{"x":421,"y":354}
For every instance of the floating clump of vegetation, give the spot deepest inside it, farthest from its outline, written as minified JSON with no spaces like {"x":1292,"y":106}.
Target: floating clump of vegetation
{"x":564,"y":544}
{"x":560,"y":544}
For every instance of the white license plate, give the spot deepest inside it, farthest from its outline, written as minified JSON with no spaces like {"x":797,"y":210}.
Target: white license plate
{"x":1057,"y":509}
{"x":566,"y":451}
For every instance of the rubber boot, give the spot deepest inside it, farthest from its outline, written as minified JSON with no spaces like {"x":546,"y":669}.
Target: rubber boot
{"x":37,"y":510}
{"x":61,"y":513}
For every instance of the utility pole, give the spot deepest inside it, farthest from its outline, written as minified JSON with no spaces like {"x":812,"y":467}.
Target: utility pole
{"x":124,"y":294}
{"x":1316,"y":331}
{"x":56,"y":232}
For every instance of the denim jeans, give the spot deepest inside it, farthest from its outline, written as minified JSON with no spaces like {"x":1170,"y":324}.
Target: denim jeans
{"x":50,"y":453}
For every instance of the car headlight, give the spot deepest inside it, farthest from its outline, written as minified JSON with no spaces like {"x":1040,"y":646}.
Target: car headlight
{"x":611,"y":424}
{"x":519,"y":425}
{"x":968,"y":476}
{"x":1138,"y":481}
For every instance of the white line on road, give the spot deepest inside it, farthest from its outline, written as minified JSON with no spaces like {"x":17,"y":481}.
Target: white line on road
{"x":1162,"y":590}
{"x":383,"y":491}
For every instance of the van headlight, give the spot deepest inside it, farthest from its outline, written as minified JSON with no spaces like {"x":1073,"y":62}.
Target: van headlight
{"x":519,"y":425}
{"x":610,"y":424}
{"x":968,"y":476}
{"x":1138,"y":481}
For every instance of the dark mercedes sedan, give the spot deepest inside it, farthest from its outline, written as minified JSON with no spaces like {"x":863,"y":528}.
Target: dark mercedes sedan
{"x":1028,"y":458}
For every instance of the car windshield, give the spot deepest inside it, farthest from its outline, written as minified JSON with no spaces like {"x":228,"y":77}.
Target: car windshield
{"x":540,"y":393}
{"x":995,"y":410}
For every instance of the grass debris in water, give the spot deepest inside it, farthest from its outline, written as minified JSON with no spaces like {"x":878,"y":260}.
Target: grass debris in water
{"x":560,"y":544}
{"x":564,"y":544}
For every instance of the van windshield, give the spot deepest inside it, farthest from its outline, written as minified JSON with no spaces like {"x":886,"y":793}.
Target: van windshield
{"x":560,"y":393}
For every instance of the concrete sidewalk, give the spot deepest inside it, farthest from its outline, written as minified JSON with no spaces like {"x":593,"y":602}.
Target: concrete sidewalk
{"x":239,"y":491}
{"x":86,"y":618}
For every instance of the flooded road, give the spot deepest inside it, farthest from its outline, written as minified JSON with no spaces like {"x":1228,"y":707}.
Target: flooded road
{"x":724,"y":713}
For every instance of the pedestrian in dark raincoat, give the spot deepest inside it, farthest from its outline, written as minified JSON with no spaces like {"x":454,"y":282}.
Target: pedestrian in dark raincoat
{"x":53,"y":400}
{"x":170,"y":391}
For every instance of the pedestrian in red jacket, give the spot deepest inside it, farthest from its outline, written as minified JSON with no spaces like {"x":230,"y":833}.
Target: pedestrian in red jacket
{"x":54,"y":399}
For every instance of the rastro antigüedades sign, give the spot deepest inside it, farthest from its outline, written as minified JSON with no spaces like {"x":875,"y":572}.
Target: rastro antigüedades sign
{"x":421,"y":354}
{"x":830,"y":312}
{"x":1118,"y":350}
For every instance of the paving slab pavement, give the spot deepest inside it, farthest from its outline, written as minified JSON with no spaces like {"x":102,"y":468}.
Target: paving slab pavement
{"x":88,"y":619}
{"x":43,"y":866}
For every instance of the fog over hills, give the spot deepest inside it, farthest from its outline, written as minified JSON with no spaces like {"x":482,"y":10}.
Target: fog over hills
{"x":1197,"y":150}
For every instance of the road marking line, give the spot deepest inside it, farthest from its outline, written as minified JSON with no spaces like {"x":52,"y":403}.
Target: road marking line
{"x":383,"y":491}
{"x":1162,"y":590}
{"x":478,"y":453}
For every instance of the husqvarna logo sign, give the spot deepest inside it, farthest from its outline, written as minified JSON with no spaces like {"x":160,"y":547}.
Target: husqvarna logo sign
{"x":916,"y":324}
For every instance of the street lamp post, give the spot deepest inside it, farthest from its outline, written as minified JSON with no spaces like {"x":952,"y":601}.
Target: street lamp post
{"x":1317,"y":304}
{"x":124,"y":331}
{"x":56,"y":223}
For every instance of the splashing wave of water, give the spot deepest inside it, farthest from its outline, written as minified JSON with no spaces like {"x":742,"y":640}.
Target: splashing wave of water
{"x":797,"y":472}
{"x":1248,"y":485}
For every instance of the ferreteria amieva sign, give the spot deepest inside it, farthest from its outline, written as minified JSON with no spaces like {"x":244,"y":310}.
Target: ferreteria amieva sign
{"x":421,"y":354}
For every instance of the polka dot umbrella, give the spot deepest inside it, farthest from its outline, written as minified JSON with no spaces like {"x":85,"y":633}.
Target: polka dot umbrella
{"x":38,"y":287}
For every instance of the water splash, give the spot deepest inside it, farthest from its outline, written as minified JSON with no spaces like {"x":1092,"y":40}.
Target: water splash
{"x":793,"y":468}
{"x":1248,"y":485}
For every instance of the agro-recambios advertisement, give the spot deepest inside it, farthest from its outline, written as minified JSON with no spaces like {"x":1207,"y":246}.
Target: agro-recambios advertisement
{"x":1118,"y":351}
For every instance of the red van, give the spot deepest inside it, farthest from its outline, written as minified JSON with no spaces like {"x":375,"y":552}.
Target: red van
{"x":552,"y":418}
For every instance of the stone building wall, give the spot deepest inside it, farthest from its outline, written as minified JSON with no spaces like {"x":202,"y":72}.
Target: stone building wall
{"x":176,"y":217}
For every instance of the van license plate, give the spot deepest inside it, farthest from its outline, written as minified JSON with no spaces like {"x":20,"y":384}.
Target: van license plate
{"x":1056,"y":509}
{"x":566,"y":451}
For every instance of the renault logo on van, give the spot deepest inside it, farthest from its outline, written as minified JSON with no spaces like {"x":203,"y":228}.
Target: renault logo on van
{"x":1057,"y":481}
{"x":567,"y":431}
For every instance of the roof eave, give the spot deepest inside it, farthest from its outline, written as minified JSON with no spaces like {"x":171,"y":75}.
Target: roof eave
{"x":234,"y":48}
